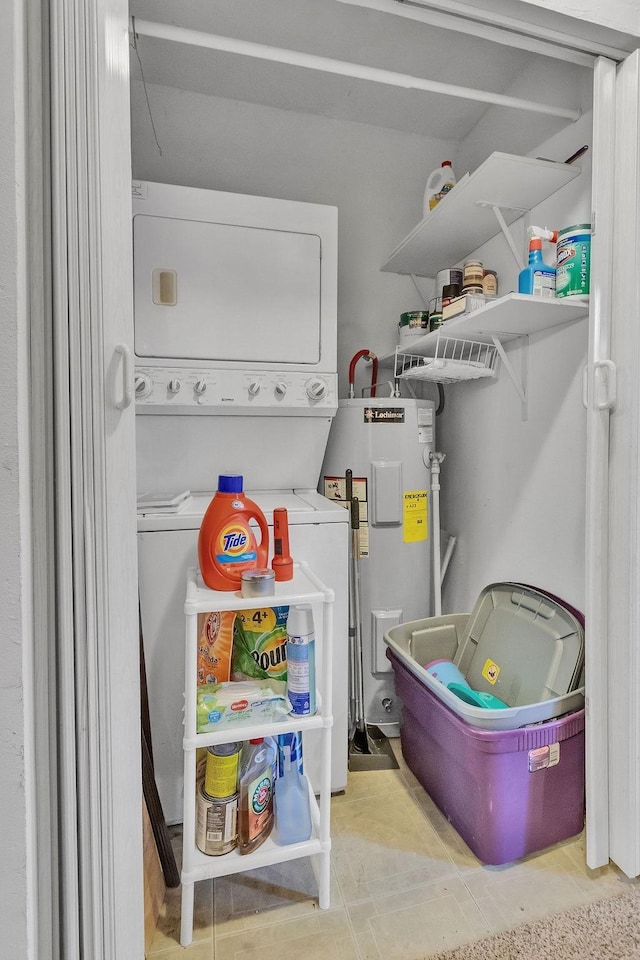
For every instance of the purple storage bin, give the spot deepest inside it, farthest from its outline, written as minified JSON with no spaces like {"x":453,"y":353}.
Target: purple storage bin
{"x":508,"y":793}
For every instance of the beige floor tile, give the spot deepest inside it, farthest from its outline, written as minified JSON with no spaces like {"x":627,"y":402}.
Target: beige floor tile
{"x":375,"y":843}
{"x":195,"y":951}
{"x":441,"y":924}
{"x":525,"y":897}
{"x":270,"y":895}
{"x":367,"y":946}
{"x":204,"y":950}
{"x":369,"y":783}
{"x":326,"y":934}
{"x":168,"y":931}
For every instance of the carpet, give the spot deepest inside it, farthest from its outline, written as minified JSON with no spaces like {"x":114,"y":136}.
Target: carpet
{"x":602,"y":930}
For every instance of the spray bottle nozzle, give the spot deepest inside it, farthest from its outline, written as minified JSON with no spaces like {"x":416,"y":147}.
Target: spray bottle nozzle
{"x":543,"y":233}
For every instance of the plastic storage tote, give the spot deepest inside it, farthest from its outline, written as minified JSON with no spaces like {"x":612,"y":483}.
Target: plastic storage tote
{"x":508,"y":793}
{"x":509,"y":789}
{"x":520,"y":644}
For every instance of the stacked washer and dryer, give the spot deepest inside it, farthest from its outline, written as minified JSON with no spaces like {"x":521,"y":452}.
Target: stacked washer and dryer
{"x":235,"y":311}
{"x":236,"y":372}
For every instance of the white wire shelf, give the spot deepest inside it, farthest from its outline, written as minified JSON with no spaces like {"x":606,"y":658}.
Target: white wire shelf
{"x":453,"y":360}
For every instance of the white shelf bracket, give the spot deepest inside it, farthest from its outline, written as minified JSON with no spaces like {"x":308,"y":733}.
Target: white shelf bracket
{"x":424,"y":299}
{"x":519,"y":383}
{"x":505,"y":230}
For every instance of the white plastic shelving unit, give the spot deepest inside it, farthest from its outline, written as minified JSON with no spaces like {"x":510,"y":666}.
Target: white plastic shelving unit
{"x":305,"y":587}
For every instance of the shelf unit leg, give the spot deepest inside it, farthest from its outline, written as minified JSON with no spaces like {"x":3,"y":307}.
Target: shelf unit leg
{"x":324,"y":883}
{"x":186,"y":915}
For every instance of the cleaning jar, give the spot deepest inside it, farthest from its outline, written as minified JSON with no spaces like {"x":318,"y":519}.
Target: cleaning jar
{"x":227,"y":545}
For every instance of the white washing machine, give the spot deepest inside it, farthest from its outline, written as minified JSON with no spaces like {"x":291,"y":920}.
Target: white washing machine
{"x":167,"y":546}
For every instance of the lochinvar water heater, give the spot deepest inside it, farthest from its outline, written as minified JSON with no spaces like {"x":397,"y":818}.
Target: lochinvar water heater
{"x":385,"y":443}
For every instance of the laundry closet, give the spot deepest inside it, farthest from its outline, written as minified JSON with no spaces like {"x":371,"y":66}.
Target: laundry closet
{"x":317,"y":102}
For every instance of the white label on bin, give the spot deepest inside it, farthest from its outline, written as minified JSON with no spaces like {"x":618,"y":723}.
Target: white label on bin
{"x":543,"y":757}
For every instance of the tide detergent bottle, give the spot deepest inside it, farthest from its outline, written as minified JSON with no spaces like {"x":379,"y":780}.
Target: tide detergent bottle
{"x":226,"y":542}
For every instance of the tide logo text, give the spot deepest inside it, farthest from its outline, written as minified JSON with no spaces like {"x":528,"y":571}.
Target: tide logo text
{"x":234,"y":541}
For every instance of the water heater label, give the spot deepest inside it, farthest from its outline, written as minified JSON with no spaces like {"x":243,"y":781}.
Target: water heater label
{"x":415,"y":521}
{"x":384,"y":414}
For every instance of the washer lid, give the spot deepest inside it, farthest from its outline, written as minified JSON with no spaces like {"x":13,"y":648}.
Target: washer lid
{"x":303,"y":506}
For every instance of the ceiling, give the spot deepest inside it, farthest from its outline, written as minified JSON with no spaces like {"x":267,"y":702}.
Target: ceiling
{"x":353,"y":34}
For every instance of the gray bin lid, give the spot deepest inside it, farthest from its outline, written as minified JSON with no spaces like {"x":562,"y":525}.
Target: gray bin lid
{"x":521,"y":645}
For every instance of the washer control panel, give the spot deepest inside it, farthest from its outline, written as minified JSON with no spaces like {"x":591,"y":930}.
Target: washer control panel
{"x":188,"y":390}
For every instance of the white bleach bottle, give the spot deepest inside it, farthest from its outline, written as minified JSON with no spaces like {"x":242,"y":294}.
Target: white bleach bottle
{"x":301,"y":660}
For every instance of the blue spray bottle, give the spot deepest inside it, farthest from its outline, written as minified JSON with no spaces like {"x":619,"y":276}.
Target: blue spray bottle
{"x":538,"y":278}
{"x":291,"y":800}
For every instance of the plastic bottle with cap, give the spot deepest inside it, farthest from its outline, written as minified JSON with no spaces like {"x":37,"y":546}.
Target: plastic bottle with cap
{"x":227,"y":545}
{"x":538,"y":278}
{"x":255,"y":793}
{"x":291,"y":804}
{"x":439,"y":183}
{"x":301,"y":660}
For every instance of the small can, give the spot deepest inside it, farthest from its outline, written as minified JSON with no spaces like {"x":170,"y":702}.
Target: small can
{"x":258,"y":583}
{"x":415,"y":319}
{"x":216,"y":823}
{"x":490,"y":283}
{"x":221,"y":769}
{"x":450,"y":292}
{"x":446,"y":277}
{"x":435,"y":321}
{"x":473,"y":273}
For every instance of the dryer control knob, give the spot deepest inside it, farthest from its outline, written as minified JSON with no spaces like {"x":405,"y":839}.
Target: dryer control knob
{"x":142,"y":386}
{"x":280,"y":389}
{"x":254,"y":388}
{"x":316,"y":389}
{"x":174,"y":386}
{"x":200,"y":387}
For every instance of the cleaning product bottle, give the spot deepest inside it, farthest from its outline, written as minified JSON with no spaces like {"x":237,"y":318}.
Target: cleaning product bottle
{"x":537,"y":278}
{"x":226,"y":543}
{"x":291,"y":804}
{"x":301,"y":660}
{"x":439,"y":183}
{"x":255,"y":793}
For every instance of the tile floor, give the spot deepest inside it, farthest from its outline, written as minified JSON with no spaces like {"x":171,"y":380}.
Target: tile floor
{"x":404,"y":885}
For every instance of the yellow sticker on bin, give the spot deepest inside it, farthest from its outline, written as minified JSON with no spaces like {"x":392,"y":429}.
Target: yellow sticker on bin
{"x":490,"y":671}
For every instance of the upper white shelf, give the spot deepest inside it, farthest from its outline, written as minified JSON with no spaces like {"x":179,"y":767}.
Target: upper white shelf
{"x":305,"y":587}
{"x":464,"y":218}
{"x":516,"y":315}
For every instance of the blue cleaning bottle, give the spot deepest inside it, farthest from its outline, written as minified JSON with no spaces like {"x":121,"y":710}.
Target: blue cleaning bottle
{"x":537,"y":279}
{"x":291,"y":804}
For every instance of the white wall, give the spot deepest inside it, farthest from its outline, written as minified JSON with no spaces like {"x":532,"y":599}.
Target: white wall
{"x":376,"y":178}
{"x":15,"y":749}
{"x":513,"y":491}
